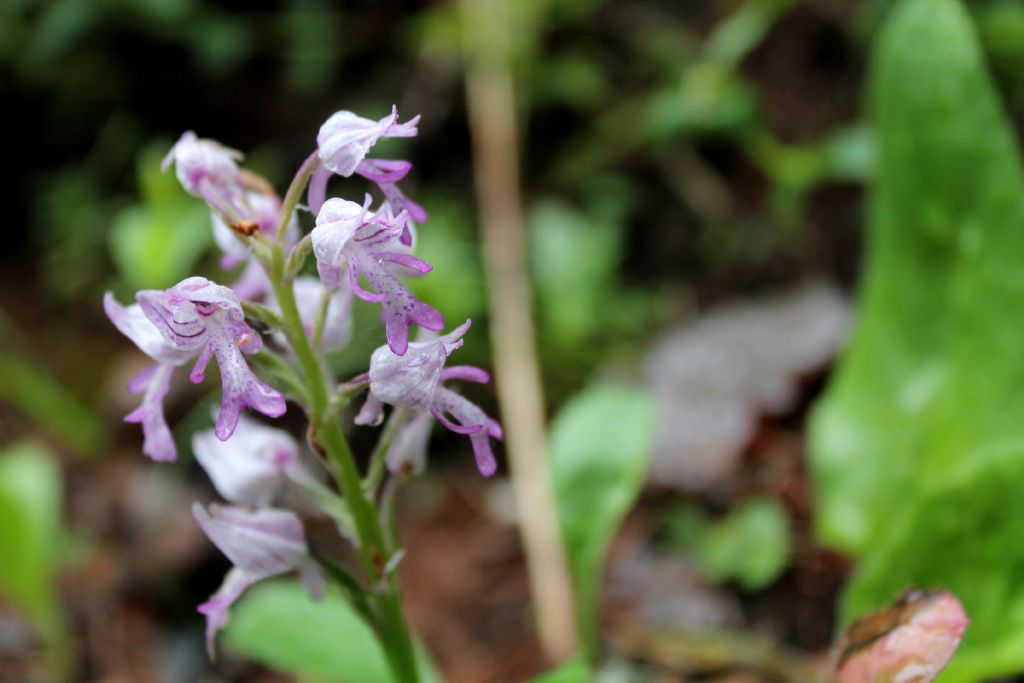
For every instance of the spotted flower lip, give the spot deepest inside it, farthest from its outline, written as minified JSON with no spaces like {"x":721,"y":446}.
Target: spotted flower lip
{"x":415,"y":381}
{"x":260,"y":543}
{"x":201,"y":317}
{"x":345,"y":138}
{"x":368,"y":244}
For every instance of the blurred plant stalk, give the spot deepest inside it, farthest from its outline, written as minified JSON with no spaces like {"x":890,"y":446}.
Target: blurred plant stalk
{"x":492,"y":115}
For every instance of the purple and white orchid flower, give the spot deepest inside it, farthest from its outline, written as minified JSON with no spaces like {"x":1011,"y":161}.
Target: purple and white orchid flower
{"x":415,"y":381}
{"x":342,"y":145}
{"x":368,"y":244}
{"x":201,"y":318}
{"x":260,"y":544}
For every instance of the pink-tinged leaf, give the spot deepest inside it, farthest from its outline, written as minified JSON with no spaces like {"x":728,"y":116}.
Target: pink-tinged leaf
{"x":909,"y":642}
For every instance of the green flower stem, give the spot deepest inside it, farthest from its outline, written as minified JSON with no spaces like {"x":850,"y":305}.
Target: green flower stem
{"x":378,"y":459}
{"x":391,"y":627}
{"x":294,"y":193}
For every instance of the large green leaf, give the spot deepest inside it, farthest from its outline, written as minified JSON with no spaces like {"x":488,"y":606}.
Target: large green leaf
{"x":278,"y":625}
{"x":921,"y":428}
{"x":600,"y":444}
{"x":30,"y":534}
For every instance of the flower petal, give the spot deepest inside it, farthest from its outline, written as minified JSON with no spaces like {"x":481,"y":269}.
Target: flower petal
{"x":336,"y":223}
{"x":345,"y":138}
{"x":249,"y":468}
{"x":158,"y":443}
{"x":262,"y":543}
{"x":134,"y":324}
{"x":217,"y":608}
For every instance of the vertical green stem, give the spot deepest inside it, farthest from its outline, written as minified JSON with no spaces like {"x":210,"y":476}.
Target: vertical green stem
{"x":391,"y":626}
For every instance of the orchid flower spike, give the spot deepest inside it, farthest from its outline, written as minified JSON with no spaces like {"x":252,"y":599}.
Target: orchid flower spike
{"x":347,"y":234}
{"x":415,"y":380}
{"x":345,"y":139}
{"x":260,"y":544}
{"x":204,"y":319}
{"x":153,"y":382}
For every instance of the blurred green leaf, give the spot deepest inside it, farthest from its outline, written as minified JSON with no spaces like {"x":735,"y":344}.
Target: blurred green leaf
{"x":709,"y":98}
{"x":574,"y":262}
{"x":575,"y":80}
{"x":1001,"y":28}
{"x":744,"y":29}
{"x":599,"y":447}
{"x":33,"y":391}
{"x":576,"y":670}
{"x":751,"y":545}
{"x":30,"y":388}
{"x":962,"y":535}
{"x":30,"y":533}
{"x":920,"y":431}
{"x":455,"y":285}
{"x":278,"y":625}
{"x":156,"y":243}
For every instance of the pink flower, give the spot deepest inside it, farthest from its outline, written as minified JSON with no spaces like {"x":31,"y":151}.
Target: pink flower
{"x":199,"y":317}
{"x":260,"y":544}
{"x":345,"y":138}
{"x":415,"y":380}
{"x":351,"y":235}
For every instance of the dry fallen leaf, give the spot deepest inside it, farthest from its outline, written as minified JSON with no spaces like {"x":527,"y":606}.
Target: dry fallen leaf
{"x":909,"y":642}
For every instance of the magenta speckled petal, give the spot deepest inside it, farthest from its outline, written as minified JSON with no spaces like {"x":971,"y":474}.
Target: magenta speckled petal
{"x":218,"y":608}
{"x":384,"y":170}
{"x":400,"y":309}
{"x":158,"y":443}
{"x":470,"y":420}
{"x":468,"y":373}
{"x":241,"y":388}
